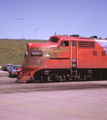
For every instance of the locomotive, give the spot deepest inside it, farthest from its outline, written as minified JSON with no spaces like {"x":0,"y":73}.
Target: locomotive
{"x":65,"y":58}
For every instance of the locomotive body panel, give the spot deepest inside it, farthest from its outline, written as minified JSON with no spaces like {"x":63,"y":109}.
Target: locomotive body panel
{"x":65,"y":57}
{"x":92,"y":56}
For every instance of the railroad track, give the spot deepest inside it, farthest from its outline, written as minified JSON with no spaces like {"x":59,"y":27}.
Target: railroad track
{"x":9,"y":85}
{"x":19,"y":87}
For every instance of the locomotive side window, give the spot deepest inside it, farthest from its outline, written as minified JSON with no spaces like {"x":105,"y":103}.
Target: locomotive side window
{"x":73,"y":44}
{"x":54,"y":39}
{"x":64,"y":43}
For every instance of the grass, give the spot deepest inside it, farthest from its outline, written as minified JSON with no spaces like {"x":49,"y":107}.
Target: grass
{"x":12,"y":51}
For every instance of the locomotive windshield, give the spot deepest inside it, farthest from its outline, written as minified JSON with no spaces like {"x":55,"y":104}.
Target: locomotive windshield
{"x":54,"y":39}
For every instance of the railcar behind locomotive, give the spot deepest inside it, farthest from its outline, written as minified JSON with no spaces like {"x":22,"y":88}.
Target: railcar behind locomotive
{"x":65,"y":58}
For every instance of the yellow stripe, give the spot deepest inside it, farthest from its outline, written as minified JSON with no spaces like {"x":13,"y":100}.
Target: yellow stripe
{"x":71,"y":54}
{"x":77,"y":54}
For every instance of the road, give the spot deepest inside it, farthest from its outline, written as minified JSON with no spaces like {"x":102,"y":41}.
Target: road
{"x":85,"y":100}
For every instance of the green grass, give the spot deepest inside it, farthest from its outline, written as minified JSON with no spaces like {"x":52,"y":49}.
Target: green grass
{"x":12,"y":51}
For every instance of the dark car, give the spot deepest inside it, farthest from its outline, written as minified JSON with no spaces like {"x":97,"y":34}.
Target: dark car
{"x":6,"y":67}
{"x":13,"y":70}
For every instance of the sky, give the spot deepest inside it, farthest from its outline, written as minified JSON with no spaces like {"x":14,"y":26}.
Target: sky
{"x":40,"y":19}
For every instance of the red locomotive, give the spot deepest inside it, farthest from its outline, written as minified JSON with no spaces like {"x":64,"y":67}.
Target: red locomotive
{"x":65,"y":58}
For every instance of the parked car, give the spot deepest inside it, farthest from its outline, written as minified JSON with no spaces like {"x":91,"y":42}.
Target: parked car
{"x":6,"y":67}
{"x":13,"y":70}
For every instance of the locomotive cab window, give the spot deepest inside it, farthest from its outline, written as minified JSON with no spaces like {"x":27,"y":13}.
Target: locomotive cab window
{"x":64,"y":43}
{"x":53,"y":39}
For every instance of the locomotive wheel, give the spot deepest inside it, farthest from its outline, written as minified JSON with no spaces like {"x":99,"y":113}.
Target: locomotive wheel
{"x":53,"y":78}
{"x":81,"y":77}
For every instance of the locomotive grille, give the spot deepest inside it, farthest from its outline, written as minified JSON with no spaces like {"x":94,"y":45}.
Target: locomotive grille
{"x":94,"y":53}
{"x":83,"y":44}
{"x":103,"y":53}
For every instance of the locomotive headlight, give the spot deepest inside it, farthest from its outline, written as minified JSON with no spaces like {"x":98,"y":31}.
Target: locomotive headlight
{"x":38,"y":53}
{"x":26,"y":53}
{"x":47,"y":54}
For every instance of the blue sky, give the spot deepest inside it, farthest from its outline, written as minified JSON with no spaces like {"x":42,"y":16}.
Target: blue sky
{"x":83,"y":17}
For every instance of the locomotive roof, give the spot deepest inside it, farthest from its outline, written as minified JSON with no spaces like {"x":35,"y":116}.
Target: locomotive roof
{"x":61,"y":37}
{"x":72,"y":38}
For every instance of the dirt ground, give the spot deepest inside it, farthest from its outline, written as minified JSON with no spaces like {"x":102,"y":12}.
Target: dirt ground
{"x":52,"y":101}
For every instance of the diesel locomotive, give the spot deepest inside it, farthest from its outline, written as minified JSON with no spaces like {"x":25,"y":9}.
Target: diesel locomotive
{"x":65,"y":58}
